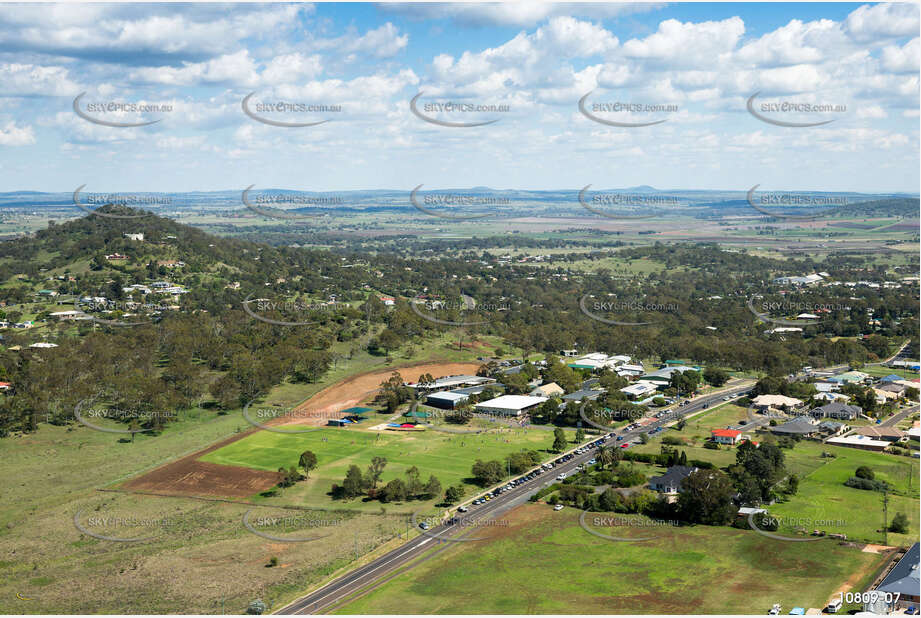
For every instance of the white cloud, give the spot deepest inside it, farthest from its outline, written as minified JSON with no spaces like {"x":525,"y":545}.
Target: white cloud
{"x":11,"y":135}
{"x":521,"y":14}
{"x":682,"y":44}
{"x":882,"y":21}
{"x":237,"y":68}
{"x":903,"y":59}
{"x":32,"y":79}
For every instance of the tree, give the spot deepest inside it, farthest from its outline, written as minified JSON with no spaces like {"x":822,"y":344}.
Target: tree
{"x":792,"y":485}
{"x":413,"y":482}
{"x":864,"y":472}
{"x":716,"y":377}
{"x":308,"y":462}
{"x":394,"y":491}
{"x":603,"y":455}
{"x":580,"y":435}
{"x":454,"y":494}
{"x":487,"y":472}
{"x":707,"y":498}
{"x":354,"y":484}
{"x":559,"y":440}
{"x":432,"y":487}
{"x":899,"y":524}
{"x":375,"y":469}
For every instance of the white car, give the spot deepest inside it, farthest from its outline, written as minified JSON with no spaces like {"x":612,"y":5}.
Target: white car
{"x":558,"y":507}
{"x":560,"y":477}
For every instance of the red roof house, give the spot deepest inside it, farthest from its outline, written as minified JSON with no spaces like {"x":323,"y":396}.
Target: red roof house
{"x":726,"y":436}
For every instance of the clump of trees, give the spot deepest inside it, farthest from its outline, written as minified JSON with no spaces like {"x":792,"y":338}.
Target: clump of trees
{"x":357,"y":483}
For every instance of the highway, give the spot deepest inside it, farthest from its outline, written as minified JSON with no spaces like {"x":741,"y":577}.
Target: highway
{"x":333,"y":593}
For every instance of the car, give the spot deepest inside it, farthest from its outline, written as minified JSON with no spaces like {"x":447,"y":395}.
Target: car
{"x":833,"y":606}
{"x":625,"y":445}
{"x":742,"y":422}
{"x":462,"y":509}
{"x":488,"y":498}
{"x":558,"y":507}
{"x":423,"y":525}
{"x":592,"y":462}
{"x":774,"y":610}
{"x":561,"y":476}
{"x":727,"y":398}
{"x":619,"y":438}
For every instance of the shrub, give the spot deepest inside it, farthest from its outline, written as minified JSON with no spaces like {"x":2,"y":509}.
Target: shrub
{"x":867,"y":484}
{"x":713,"y":446}
{"x":899,"y":524}
{"x":864,"y":472}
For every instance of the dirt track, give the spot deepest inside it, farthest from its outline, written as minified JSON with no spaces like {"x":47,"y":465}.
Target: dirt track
{"x":188,"y":476}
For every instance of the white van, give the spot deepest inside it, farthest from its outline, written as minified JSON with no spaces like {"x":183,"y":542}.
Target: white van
{"x":833,"y":606}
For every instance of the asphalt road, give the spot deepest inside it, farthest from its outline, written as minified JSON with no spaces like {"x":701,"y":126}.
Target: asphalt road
{"x":897,"y":417}
{"x":332,"y":593}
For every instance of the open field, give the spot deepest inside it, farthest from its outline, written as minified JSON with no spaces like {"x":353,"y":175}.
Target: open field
{"x":448,"y":457}
{"x":199,"y":557}
{"x":206,"y":555}
{"x":197,"y":476}
{"x":544,"y":562}
{"x":822,"y":495}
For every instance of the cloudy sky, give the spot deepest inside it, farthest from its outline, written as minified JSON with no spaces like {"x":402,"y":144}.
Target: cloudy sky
{"x":698,"y":63}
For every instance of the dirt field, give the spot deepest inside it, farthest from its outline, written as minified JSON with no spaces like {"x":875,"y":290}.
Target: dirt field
{"x":354,"y":390}
{"x":190,"y":477}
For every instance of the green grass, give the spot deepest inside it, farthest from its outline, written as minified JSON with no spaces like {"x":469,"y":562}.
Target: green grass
{"x":823,"y":496}
{"x":546,"y":563}
{"x":448,"y":457}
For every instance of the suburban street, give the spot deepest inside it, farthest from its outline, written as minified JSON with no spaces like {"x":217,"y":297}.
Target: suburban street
{"x":334,"y":592}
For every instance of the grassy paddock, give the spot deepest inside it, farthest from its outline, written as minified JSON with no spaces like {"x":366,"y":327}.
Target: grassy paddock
{"x":544,"y":562}
{"x":448,"y":456}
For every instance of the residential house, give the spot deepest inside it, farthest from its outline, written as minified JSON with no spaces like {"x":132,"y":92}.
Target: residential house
{"x":135,"y":236}
{"x":858,"y":441}
{"x":764,"y":403}
{"x":831,"y":428}
{"x":879,"y":432}
{"x":670,"y":482}
{"x":892,"y":387}
{"x":836,"y":410}
{"x":829,"y":397}
{"x":726,"y":436}
{"x":849,"y":377}
{"x":801,"y":426}
{"x":902,"y":580}
{"x":883,"y":396}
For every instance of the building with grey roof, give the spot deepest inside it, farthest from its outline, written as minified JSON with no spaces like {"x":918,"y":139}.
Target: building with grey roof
{"x":903,"y":578}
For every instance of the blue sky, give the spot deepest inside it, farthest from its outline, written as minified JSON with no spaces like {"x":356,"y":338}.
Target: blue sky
{"x":697,"y":64}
